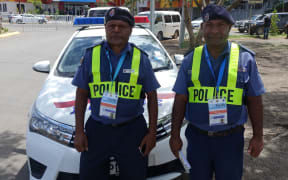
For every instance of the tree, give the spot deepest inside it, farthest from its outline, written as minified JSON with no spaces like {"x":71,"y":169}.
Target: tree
{"x":194,"y":42}
{"x":37,"y":5}
{"x":274,"y":20}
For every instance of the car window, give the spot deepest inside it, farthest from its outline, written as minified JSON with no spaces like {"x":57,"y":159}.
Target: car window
{"x":71,"y":58}
{"x":158,"y":57}
{"x":97,"y":13}
{"x":158,"y":19}
{"x":167,"y":19}
{"x":176,"y":18}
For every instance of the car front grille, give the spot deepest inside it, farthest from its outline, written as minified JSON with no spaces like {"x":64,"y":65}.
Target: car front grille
{"x":37,"y":169}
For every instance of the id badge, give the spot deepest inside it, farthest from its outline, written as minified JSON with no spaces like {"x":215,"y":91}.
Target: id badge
{"x":108,"y":105}
{"x":217,"y":111}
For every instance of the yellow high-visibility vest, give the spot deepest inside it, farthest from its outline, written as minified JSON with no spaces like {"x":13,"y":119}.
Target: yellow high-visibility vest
{"x":130,"y":90}
{"x":201,"y":94}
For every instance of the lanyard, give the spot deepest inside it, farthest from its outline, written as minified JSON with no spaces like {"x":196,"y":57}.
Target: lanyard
{"x":120,"y":63}
{"x":221,"y":71}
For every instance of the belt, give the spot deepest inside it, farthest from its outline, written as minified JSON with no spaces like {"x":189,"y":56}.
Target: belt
{"x":120,"y":124}
{"x":233,"y":130}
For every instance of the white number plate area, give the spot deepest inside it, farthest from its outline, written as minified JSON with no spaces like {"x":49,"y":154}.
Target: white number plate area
{"x":114,"y":168}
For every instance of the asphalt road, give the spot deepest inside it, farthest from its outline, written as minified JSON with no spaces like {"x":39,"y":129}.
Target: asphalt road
{"x":20,"y":86}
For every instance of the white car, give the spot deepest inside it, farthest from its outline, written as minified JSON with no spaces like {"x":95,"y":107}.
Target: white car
{"x":51,"y":128}
{"x":166,"y":23}
{"x":196,"y":23}
{"x":27,"y":18}
{"x":101,"y":11}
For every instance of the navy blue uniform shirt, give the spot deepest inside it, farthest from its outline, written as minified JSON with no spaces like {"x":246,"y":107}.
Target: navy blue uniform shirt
{"x":248,"y":78}
{"x":126,"y":108}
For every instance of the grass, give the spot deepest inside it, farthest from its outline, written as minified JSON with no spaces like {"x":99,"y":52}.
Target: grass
{"x":3,"y":30}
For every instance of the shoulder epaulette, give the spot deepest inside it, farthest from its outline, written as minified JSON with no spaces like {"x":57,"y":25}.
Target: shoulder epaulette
{"x":247,"y":49}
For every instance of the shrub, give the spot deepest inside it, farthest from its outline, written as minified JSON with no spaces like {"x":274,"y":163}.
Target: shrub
{"x":274,"y":20}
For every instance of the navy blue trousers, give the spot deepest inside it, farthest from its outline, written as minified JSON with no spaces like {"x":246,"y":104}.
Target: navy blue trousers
{"x":220,"y":155}
{"x":122,"y":143}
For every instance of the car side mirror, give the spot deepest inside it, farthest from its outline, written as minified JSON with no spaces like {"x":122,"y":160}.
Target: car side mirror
{"x":42,"y":66}
{"x":178,"y":59}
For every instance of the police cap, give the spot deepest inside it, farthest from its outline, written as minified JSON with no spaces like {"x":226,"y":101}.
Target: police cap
{"x":119,"y":14}
{"x":213,"y":12}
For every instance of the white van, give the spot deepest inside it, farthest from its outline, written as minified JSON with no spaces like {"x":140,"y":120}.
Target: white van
{"x":166,"y":23}
{"x":101,"y":11}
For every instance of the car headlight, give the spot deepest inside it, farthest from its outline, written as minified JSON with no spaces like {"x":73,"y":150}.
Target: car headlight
{"x":41,"y":124}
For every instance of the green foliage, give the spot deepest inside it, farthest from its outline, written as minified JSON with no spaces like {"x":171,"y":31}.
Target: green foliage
{"x":3,"y":30}
{"x":38,"y":7}
{"x":274,"y":20}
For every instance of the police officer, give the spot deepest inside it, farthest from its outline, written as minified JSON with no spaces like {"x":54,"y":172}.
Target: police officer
{"x":116,"y":77}
{"x":217,"y":86}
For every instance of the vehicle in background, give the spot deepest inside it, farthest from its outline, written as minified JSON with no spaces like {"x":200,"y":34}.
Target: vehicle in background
{"x":42,"y":17}
{"x":258,"y":26}
{"x":243,"y":25}
{"x":27,"y":18}
{"x":166,"y":23}
{"x":196,"y":23}
{"x":100,"y":11}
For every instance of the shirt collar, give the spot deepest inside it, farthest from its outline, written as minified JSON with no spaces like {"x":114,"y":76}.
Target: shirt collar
{"x":224,"y":53}
{"x":127,"y":49}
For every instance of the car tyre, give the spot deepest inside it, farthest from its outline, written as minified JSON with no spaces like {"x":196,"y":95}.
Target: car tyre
{"x":260,"y":31}
{"x":241,"y":31}
{"x":18,"y":21}
{"x":160,"y":35}
{"x":176,"y":34}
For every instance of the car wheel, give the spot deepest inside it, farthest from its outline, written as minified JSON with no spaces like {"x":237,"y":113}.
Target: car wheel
{"x":241,"y":31}
{"x":40,"y":22}
{"x":260,"y":31}
{"x":160,"y":36}
{"x":176,"y":34}
{"x":18,"y":21}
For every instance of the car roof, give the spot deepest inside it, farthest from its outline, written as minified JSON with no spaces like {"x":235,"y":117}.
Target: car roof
{"x":107,"y":8}
{"x":100,"y":31}
{"x":161,"y":12}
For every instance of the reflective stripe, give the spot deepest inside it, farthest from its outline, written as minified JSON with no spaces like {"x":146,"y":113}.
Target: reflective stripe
{"x":96,"y":64}
{"x":233,"y":66}
{"x":125,"y":90}
{"x":201,"y":94}
{"x":135,"y":66}
{"x":196,"y":66}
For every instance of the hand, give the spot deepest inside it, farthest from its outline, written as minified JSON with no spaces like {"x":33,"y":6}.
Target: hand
{"x":81,"y":142}
{"x":255,"y":146}
{"x":149,"y":142}
{"x":175,"y":145}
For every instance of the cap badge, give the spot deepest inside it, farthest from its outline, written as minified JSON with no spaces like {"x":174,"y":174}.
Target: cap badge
{"x":206,"y":17}
{"x":112,"y":13}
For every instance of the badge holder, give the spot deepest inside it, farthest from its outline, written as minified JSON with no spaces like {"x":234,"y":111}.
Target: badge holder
{"x":108,"y":104}
{"x":217,"y":111}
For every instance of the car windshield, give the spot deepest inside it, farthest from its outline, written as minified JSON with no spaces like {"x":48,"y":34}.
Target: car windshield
{"x":97,"y":13}
{"x":71,"y":58}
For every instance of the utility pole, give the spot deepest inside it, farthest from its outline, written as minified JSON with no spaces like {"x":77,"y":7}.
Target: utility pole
{"x":182,"y":26}
{"x":152,"y":9}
